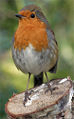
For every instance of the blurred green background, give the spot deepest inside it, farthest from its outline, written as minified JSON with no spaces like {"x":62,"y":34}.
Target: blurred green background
{"x":60,"y":14}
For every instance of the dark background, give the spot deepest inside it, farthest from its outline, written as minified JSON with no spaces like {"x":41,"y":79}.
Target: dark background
{"x":60,"y":14}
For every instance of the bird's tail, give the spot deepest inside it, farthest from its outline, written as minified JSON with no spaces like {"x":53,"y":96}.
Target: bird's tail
{"x":38,"y":79}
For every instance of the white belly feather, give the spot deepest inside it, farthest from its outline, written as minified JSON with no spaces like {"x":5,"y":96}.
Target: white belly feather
{"x":31,"y":61}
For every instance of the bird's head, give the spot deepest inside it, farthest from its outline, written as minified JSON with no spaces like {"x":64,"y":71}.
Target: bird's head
{"x":31,"y":14}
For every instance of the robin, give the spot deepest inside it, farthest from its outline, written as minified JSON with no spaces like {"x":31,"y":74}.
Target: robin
{"x":34,"y":48}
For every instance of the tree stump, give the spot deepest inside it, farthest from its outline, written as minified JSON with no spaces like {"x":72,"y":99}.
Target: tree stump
{"x":43,"y":104}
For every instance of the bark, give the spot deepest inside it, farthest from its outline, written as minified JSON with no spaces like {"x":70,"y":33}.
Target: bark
{"x":43,"y":104}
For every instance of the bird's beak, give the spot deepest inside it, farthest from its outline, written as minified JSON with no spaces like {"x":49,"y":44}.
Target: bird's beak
{"x":19,"y":16}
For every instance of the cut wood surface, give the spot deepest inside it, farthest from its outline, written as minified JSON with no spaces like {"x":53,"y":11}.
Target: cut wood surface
{"x":42,"y":104}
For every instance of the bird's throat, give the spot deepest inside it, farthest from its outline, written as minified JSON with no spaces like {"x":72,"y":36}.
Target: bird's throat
{"x":31,"y":32}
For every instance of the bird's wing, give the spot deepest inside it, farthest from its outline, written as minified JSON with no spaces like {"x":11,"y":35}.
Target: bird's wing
{"x":51,"y":36}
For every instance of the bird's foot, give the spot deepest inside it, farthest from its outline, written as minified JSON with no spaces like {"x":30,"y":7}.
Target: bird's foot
{"x":51,"y":89}
{"x":26,"y":97}
{"x":27,"y":94}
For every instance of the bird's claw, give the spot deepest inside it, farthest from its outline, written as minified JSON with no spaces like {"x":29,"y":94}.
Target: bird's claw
{"x":26,"y":97}
{"x":27,"y":94}
{"x":51,"y":89}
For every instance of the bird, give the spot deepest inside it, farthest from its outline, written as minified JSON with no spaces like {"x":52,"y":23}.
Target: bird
{"x":34,"y":47}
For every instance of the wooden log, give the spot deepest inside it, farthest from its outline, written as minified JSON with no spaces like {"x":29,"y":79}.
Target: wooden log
{"x":43,"y":104}
{"x":72,"y":104}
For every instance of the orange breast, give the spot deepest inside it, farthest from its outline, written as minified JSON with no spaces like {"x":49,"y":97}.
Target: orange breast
{"x":31,"y":32}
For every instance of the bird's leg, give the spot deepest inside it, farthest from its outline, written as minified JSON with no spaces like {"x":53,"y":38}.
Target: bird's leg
{"x":49,"y":86}
{"x":28,"y":81}
{"x":26,"y":92}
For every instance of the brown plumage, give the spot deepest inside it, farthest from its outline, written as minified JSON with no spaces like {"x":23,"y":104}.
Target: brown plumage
{"x":34,"y":49}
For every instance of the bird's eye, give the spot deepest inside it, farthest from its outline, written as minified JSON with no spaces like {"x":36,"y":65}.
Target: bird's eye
{"x":32,"y":15}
